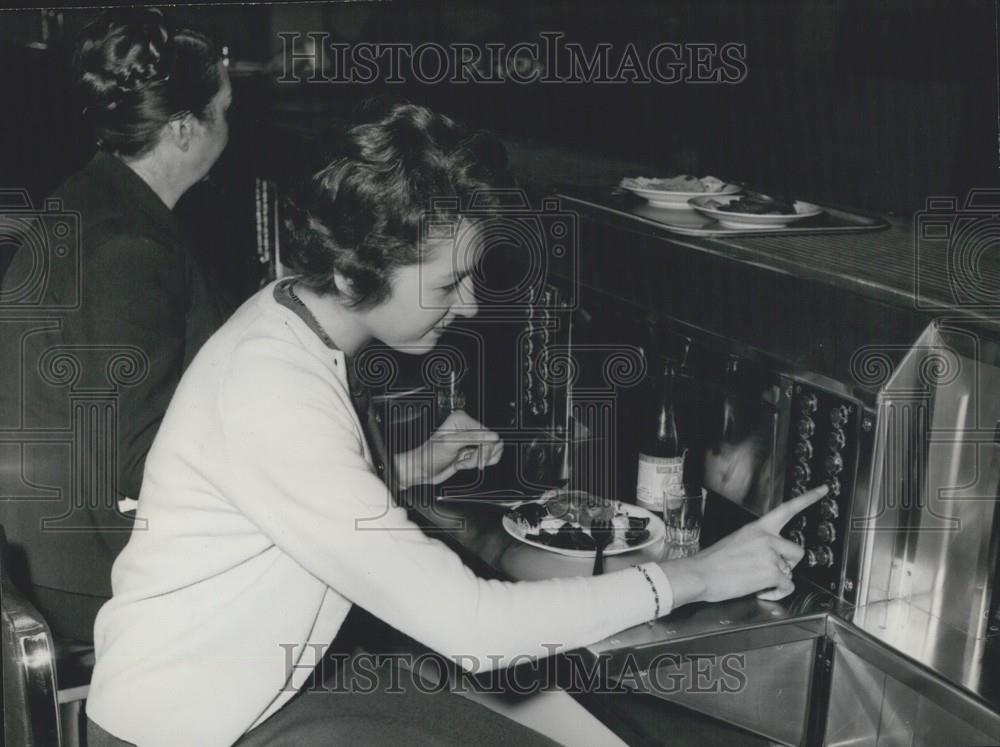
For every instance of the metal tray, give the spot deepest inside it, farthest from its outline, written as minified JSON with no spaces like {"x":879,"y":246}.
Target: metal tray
{"x":692,"y":223}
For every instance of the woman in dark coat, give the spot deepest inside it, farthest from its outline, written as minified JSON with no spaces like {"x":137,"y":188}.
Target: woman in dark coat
{"x":101,"y":330}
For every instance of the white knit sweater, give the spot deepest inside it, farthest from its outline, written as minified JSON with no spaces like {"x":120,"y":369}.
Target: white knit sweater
{"x":261,"y":520}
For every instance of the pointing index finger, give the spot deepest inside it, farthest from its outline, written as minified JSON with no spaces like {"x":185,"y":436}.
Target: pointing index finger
{"x":778,"y":517}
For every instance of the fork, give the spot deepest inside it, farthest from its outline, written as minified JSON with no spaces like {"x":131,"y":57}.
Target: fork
{"x":602,"y":533}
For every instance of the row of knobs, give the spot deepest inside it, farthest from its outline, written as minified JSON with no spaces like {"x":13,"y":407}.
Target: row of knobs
{"x":821,"y":555}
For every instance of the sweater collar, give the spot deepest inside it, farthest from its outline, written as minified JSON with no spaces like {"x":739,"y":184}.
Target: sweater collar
{"x":285,"y":296}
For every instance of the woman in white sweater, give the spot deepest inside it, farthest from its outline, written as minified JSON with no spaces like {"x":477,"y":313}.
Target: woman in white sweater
{"x":265,"y":514}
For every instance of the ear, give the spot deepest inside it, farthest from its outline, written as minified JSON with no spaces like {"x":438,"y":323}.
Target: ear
{"x":181,"y":131}
{"x":344,"y":286}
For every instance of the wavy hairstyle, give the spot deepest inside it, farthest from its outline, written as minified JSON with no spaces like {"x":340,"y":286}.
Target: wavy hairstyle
{"x":361,"y":216}
{"x":135,"y":71}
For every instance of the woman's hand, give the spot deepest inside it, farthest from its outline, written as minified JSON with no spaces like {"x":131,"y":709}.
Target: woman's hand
{"x":461,"y":442}
{"x":753,"y":559}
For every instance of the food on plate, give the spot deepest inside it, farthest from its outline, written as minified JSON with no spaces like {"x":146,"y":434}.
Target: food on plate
{"x":580,"y":507}
{"x":682,"y":183}
{"x":529,"y":516}
{"x":567,"y":537}
{"x":565,"y":521}
{"x":754,"y":203}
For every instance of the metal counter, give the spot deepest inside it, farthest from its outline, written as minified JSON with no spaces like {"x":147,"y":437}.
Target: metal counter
{"x":812,"y":668}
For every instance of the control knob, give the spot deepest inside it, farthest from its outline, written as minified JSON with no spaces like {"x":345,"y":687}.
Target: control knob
{"x":829,"y":510}
{"x":804,"y":451}
{"x":800,"y":473}
{"x":808,"y":403}
{"x":839,"y":415}
{"x":821,"y":556}
{"x":834,"y":464}
{"x":797,"y":537}
{"x":806,"y":427}
{"x":836,"y":439}
{"x":826,"y":533}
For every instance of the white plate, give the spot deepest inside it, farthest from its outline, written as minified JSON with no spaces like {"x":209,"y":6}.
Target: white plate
{"x":675,"y":200}
{"x":749,"y":220}
{"x":657,"y":531}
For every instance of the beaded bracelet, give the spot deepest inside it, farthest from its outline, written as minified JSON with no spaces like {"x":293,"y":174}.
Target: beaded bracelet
{"x":656,"y":594}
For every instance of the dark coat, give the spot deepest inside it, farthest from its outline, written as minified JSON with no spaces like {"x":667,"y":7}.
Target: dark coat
{"x":102,"y":308}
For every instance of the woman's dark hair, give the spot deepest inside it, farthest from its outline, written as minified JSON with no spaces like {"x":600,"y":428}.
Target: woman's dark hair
{"x":135,"y":71}
{"x":361,"y":216}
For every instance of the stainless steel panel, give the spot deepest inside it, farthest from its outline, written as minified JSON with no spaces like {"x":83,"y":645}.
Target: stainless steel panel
{"x":884,"y":523}
{"x":855,"y":542}
{"x":964,"y":703}
{"x":970,"y":662}
{"x":937,"y":727}
{"x":898,"y":715}
{"x":855,"y":702}
{"x":869,"y":709}
{"x":772,"y":700}
{"x":952,"y":575}
{"x":929,"y":528}
{"x":735,"y":625}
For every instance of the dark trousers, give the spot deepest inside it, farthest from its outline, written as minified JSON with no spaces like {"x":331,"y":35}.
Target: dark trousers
{"x":414,"y":715}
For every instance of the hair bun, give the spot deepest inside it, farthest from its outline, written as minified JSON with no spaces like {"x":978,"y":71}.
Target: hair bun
{"x":140,"y":69}
{"x":122,"y":53}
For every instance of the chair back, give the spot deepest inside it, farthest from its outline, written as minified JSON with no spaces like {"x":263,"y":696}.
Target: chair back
{"x":30,"y":714}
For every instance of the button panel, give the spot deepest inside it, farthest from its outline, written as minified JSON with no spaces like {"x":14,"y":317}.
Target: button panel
{"x":822,"y":449}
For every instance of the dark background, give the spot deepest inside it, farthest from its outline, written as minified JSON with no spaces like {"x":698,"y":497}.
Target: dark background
{"x":872,"y":105}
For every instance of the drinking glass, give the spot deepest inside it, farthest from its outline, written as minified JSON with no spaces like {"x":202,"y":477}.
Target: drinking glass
{"x":448,"y":397}
{"x":683,"y":507}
